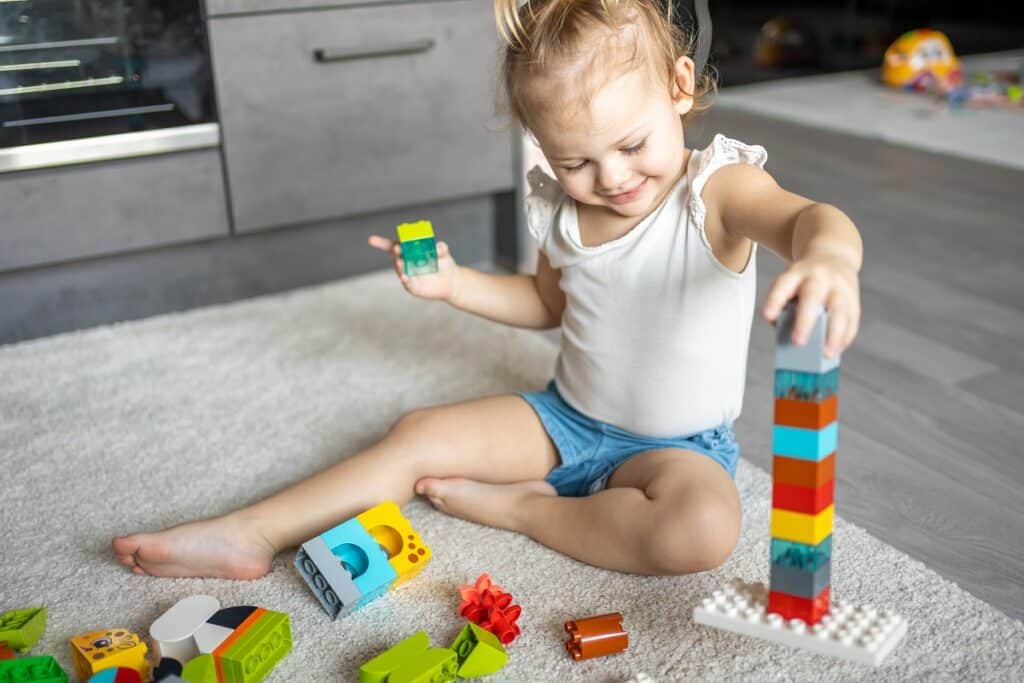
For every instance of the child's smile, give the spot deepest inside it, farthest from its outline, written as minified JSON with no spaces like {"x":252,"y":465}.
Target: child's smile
{"x":622,"y":148}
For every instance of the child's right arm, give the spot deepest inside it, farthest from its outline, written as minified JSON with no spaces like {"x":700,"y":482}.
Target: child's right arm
{"x":531,"y":301}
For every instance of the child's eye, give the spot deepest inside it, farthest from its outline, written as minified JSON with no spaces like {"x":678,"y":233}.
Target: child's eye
{"x":636,"y":148}
{"x":573,"y":169}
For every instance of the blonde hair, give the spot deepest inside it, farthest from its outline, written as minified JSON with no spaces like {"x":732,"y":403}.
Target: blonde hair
{"x":540,"y":33}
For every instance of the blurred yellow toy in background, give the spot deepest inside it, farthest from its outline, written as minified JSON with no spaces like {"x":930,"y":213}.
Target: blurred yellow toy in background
{"x":922,"y":60}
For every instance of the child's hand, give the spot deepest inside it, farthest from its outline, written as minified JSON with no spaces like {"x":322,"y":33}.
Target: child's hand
{"x":439,"y":285}
{"x":815,"y":281}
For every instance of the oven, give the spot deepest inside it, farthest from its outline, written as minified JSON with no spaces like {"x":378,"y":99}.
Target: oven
{"x":89,"y":80}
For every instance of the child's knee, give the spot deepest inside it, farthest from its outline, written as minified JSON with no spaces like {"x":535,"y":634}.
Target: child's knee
{"x":697,"y":536}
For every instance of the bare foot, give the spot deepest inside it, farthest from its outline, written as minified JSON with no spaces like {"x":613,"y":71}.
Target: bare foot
{"x":491,"y":504}
{"x":222,"y":547}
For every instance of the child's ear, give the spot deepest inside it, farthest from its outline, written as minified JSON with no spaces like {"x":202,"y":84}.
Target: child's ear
{"x":683,"y":85}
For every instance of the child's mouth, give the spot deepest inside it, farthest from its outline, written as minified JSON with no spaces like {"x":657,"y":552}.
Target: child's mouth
{"x":626,"y":197}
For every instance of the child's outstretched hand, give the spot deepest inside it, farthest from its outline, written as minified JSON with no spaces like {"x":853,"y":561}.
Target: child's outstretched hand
{"x":816,"y":281}
{"x":439,"y":285}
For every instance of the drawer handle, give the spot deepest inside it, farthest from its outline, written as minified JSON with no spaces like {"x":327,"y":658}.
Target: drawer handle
{"x":342,"y":54}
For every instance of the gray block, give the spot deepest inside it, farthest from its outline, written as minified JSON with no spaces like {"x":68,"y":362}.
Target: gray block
{"x":809,"y":357}
{"x":330,"y":583}
{"x":793,"y":581}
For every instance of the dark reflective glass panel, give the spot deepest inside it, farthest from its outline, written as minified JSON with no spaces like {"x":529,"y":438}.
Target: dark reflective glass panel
{"x":80,"y":69}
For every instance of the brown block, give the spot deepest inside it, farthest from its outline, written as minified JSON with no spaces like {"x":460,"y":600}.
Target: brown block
{"x":596,"y":636}
{"x":806,"y":414}
{"x":797,"y":472}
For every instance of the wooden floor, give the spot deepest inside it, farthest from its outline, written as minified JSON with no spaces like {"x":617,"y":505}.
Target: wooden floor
{"x":931,"y":412}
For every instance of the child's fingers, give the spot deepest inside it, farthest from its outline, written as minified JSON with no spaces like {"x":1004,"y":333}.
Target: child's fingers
{"x":836,"y":340}
{"x":808,"y":309}
{"x":382,"y":243}
{"x":782,"y":291}
{"x":442,"y":249}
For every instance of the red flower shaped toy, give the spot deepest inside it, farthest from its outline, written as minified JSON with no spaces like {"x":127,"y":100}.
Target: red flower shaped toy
{"x":489,"y":607}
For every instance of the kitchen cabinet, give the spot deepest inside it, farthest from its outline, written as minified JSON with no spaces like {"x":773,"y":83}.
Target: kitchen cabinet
{"x":342,"y":111}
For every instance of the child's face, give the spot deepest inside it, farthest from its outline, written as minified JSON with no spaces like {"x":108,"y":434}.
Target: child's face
{"x":623,"y":150}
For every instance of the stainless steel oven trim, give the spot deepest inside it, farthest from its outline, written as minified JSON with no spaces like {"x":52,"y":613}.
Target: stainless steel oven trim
{"x":107,"y":147}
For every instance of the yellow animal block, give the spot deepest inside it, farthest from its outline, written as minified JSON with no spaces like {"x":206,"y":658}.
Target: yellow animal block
{"x":393,"y":532}
{"x":800,"y":527}
{"x":98,"y":650}
{"x":415,"y":231}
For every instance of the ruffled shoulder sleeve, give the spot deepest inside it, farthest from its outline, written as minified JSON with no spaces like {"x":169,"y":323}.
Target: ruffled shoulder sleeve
{"x":544,"y":196}
{"x":721,"y":152}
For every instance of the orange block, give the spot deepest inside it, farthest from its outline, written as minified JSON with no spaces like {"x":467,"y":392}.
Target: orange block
{"x":806,"y":414}
{"x":806,"y":473}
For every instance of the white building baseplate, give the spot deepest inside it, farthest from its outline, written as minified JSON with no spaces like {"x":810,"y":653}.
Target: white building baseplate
{"x":861,"y":634}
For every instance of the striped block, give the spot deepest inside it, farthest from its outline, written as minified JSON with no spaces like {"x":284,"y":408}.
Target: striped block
{"x":801,"y":555}
{"x":806,"y":473}
{"x":805,"y":444}
{"x":800,"y":527}
{"x":803,"y":499}
{"x":806,"y":414}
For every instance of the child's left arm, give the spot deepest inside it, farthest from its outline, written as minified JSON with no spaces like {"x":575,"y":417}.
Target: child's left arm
{"x":820,"y":242}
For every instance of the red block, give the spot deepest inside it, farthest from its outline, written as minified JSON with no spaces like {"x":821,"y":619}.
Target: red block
{"x":803,"y":499}
{"x":6,"y":652}
{"x":795,"y":607}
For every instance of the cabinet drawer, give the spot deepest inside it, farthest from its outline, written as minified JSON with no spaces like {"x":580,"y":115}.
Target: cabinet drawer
{"x":74,"y":212}
{"x":337,"y":112}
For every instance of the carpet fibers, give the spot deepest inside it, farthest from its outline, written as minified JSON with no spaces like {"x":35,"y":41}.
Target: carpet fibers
{"x":142,"y":425}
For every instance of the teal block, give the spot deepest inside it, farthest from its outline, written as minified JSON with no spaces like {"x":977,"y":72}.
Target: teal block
{"x":801,"y":555}
{"x":420,"y":256}
{"x":805,"y":444}
{"x":806,"y":386}
{"x":362,"y":557}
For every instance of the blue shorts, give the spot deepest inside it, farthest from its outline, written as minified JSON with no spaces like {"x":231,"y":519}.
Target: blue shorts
{"x":591,"y":450}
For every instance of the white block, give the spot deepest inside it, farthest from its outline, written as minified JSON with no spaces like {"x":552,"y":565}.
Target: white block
{"x":860,"y":634}
{"x":173,"y":630}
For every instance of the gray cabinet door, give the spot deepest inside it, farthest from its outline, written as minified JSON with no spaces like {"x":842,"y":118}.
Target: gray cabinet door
{"x":337,"y":112}
{"x":73,"y":212}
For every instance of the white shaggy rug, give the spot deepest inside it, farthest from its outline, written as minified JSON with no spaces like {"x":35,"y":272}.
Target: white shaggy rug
{"x":147,"y":424}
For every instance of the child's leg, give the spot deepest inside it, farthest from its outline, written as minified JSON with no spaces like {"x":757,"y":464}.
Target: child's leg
{"x":495,"y":439}
{"x":667,"y":511}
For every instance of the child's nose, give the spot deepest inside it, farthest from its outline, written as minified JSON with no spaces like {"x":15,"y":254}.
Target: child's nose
{"x":613,"y":176}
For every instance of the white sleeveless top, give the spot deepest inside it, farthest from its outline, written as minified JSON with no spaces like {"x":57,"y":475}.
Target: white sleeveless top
{"x":655,"y":331}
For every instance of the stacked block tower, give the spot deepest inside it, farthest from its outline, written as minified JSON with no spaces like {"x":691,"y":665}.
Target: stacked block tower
{"x":804,"y":439}
{"x":797,"y":608}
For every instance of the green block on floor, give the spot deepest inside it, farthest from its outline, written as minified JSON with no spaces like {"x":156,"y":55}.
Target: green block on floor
{"x":201,"y":669}
{"x":22,"y":628}
{"x":43,"y":669}
{"x":380,"y":667}
{"x":479,"y":651}
{"x":260,"y":648}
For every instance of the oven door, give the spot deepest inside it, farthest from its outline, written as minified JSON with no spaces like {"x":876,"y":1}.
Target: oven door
{"x":83,"y":81}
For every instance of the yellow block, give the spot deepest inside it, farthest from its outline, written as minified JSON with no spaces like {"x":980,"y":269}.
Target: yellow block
{"x":800,"y":527}
{"x":98,"y":650}
{"x":415,"y":231}
{"x":406,"y":551}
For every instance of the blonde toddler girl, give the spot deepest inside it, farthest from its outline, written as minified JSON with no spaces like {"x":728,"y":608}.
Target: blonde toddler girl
{"x":647,"y":262}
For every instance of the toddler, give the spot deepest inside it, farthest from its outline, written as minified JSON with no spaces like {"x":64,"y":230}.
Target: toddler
{"x":647,"y":255}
